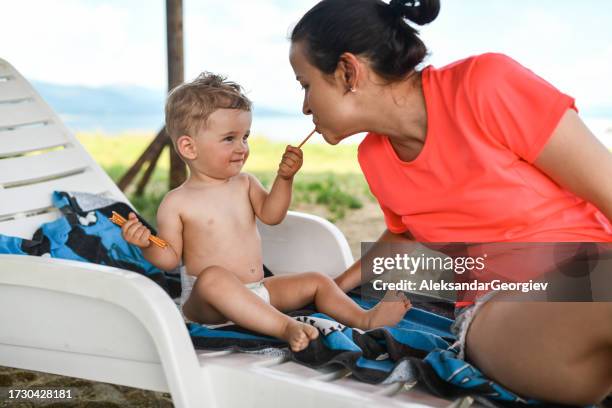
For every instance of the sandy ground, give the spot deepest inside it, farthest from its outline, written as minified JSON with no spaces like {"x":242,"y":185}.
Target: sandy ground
{"x":364,"y":224}
{"x":85,"y":393}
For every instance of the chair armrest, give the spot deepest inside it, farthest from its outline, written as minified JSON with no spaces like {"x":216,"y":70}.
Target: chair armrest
{"x":95,"y":322}
{"x":304,"y":242}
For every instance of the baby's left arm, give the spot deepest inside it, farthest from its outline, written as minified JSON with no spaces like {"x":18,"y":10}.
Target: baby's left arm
{"x":271,"y":208}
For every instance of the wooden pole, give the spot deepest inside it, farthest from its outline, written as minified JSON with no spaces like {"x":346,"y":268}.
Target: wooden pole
{"x":176,"y":76}
{"x":153,"y":150}
{"x":142,"y":184}
{"x":178,"y":170}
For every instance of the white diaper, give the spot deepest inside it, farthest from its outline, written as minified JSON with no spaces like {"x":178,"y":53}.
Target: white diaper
{"x":260,"y":290}
{"x":187,"y":282}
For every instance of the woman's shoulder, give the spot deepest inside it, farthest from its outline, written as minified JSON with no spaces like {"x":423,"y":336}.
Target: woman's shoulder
{"x":479,"y":67}
{"x":372,"y":141}
{"x":492,"y":60}
{"x":370,"y":149}
{"x":480,"y":76}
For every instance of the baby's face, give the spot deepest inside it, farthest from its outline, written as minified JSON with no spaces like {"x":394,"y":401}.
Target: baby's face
{"x":222,"y":146}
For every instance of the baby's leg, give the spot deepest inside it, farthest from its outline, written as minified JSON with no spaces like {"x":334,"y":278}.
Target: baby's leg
{"x":218,"y":295}
{"x":198,"y":309}
{"x":291,"y":292}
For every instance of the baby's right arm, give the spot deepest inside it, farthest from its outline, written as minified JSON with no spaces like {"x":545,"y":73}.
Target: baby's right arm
{"x":170,"y":230}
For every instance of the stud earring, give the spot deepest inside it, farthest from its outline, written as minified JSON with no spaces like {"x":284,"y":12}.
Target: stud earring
{"x":353,"y":90}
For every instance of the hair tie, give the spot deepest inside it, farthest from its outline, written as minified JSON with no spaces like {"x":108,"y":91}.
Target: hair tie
{"x":399,"y":6}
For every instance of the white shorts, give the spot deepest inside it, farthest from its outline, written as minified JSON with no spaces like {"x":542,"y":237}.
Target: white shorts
{"x":463,"y":320}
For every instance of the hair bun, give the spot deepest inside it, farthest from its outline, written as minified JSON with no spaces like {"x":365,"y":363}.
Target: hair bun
{"x":418,"y":11}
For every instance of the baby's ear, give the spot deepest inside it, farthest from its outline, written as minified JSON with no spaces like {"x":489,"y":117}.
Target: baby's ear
{"x":186,"y":147}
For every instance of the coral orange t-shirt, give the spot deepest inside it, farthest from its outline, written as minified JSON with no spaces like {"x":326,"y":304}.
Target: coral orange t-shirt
{"x":488,"y":118}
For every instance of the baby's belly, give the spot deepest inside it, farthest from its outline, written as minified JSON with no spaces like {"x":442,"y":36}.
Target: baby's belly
{"x":238,"y":252}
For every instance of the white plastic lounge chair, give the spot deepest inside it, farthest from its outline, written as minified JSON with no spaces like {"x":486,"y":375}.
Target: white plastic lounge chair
{"x":111,"y":325}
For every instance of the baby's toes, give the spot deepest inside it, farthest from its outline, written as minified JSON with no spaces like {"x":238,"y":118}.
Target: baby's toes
{"x":407,"y":304}
{"x":311,"y":332}
{"x":298,"y":345}
{"x":404,"y":299}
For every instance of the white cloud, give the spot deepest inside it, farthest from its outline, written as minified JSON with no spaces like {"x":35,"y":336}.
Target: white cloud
{"x":570,"y":47}
{"x":246,"y":40}
{"x":69,"y":41}
{"x":96,"y":43}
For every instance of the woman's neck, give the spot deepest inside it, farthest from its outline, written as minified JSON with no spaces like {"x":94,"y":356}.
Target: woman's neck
{"x":400,"y":113}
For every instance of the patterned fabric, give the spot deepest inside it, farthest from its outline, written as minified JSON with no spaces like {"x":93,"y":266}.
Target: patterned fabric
{"x":419,"y":348}
{"x":85,"y":233}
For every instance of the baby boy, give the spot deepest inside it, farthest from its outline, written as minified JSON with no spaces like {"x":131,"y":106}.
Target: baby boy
{"x":209,"y":224}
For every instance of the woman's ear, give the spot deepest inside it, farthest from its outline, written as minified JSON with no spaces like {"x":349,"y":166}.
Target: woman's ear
{"x":348,"y":71}
{"x":186,"y":147}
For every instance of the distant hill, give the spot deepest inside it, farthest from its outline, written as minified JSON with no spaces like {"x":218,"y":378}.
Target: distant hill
{"x":114,"y":108}
{"x":79,"y":100}
{"x":125,"y":108}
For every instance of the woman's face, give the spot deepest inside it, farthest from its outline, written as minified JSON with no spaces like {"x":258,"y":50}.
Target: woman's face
{"x":326,"y":97}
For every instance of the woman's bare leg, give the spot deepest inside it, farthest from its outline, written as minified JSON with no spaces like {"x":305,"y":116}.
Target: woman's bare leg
{"x":218,"y":295}
{"x":557,"y":352}
{"x":290,"y":292}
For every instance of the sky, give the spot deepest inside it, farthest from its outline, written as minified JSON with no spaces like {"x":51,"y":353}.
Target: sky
{"x":96,"y":42}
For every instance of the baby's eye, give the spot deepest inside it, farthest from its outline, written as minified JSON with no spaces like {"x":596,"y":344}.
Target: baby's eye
{"x":245,"y":138}
{"x":229,"y":139}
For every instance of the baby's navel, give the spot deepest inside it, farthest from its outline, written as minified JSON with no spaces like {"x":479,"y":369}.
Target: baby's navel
{"x":210,"y":221}
{"x":252,"y":270}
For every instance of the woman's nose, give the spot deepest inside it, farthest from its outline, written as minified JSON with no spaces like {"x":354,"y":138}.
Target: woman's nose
{"x":305,"y":108}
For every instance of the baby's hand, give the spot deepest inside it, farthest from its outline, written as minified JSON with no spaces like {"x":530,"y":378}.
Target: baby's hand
{"x":135,"y":233}
{"x":291,"y":162}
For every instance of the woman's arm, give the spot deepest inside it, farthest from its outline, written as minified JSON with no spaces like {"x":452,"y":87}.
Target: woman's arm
{"x":576,"y":160}
{"x":353,"y":276}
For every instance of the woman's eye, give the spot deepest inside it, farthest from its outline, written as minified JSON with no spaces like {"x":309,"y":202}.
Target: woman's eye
{"x":304,"y":87}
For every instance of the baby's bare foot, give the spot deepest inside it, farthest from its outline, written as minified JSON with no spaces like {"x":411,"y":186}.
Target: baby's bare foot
{"x":387,"y":312}
{"x":298,"y":335}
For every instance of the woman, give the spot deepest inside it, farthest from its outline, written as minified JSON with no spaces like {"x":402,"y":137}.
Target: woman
{"x":481,"y":150}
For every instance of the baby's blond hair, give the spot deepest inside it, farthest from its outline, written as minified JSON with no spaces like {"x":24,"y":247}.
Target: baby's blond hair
{"x":190,"y":104}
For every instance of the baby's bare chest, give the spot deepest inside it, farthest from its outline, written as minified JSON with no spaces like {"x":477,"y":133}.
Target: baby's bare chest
{"x":218,"y":210}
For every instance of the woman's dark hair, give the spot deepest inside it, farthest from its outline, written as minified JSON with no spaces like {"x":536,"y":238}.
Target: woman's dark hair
{"x":369,"y":28}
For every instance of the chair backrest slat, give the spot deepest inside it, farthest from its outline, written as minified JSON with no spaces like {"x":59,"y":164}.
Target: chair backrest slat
{"x":34,"y":197}
{"x":26,"y":227}
{"x":5,"y":69}
{"x":27,"y":169}
{"x":28,"y":139}
{"x":22,"y":113}
{"x":13,"y":90}
{"x":38,"y":155}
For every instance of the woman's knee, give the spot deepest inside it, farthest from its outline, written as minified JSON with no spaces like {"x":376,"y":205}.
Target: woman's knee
{"x":538,"y":338}
{"x":608,"y":306}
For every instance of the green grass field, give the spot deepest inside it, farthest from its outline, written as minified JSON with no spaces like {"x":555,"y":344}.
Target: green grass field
{"x":330,"y":176}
